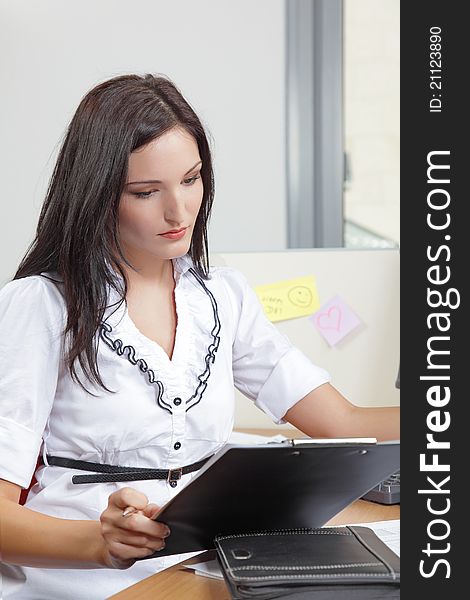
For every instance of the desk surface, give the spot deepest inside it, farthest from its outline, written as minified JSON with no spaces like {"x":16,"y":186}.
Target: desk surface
{"x":178,"y":583}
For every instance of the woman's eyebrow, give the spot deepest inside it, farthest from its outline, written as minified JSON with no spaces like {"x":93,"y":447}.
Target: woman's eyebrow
{"x":158,"y":181}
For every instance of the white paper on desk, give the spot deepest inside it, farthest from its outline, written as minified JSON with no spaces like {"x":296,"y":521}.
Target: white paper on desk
{"x":207,"y":569}
{"x":387,"y":531}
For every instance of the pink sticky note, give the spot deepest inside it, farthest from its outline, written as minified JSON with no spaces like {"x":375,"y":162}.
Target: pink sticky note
{"x":334,"y":320}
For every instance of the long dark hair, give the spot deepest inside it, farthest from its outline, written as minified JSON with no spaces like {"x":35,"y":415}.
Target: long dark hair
{"x":77,"y":233}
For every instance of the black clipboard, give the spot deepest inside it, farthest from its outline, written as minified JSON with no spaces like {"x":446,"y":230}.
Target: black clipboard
{"x":286,"y":485}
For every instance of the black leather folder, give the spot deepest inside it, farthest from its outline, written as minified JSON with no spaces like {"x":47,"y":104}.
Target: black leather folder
{"x":328,"y":563}
{"x":284,"y":485}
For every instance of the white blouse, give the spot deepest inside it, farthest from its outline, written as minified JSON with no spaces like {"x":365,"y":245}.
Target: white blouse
{"x":164,"y":413}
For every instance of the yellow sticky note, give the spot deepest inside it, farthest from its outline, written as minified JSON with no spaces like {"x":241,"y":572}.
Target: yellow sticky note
{"x":289,"y":299}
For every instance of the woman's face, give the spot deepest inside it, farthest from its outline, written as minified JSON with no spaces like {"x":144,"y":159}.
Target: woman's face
{"x":163,"y":193}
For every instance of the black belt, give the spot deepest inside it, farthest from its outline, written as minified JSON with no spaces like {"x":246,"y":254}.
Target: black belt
{"x":104,"y":473}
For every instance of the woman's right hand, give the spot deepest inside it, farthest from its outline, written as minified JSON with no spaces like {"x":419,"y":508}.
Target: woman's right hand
{"x":127,"y":538}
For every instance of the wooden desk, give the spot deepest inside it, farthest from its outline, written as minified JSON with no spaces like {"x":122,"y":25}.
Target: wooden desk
{"x":178,"y":583}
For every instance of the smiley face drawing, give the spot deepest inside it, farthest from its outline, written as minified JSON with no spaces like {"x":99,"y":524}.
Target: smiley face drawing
{"x":300,"y":296}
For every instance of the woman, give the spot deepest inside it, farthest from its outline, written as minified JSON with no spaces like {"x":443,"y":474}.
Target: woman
{"x":120,"y":346}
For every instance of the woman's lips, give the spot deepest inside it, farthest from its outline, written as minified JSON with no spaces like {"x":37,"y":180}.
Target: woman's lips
{"x":174,"y":236}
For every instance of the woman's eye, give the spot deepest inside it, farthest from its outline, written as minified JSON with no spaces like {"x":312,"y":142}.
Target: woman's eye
{"x":187,"y":182}
{"x":143,"y":194}
{"x":191,"y":180}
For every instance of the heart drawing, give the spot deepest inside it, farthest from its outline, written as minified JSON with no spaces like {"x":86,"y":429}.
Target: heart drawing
{"x":330,"y":319}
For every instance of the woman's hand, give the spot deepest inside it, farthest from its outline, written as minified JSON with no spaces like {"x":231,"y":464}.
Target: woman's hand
{"x":127,"y":538}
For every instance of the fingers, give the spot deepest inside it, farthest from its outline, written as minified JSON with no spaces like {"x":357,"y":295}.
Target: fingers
{"x":142,"y":541}
{"x":135,"y":535}
{"x":139,"y":523}
{"x":128,"y":497}
{"x":130,"y":510}
{"x":151,"y":511}
{"x":125,"y":546}
{"x":123,"y":556}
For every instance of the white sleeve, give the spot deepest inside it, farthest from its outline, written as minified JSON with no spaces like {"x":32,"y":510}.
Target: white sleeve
{"x":267,"y":368}
{"x":31,"y":323}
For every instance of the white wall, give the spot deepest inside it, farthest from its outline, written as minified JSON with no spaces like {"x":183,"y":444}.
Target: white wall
{"x":364,"y":365}
{"x":226,"y":57}
{"x":372,"y":114}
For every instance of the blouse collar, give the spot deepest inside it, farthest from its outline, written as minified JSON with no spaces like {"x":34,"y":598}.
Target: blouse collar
{"x":181,"y":264}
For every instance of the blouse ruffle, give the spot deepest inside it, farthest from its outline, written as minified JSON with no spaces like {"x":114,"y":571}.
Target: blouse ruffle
{"x":196,"y":341}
